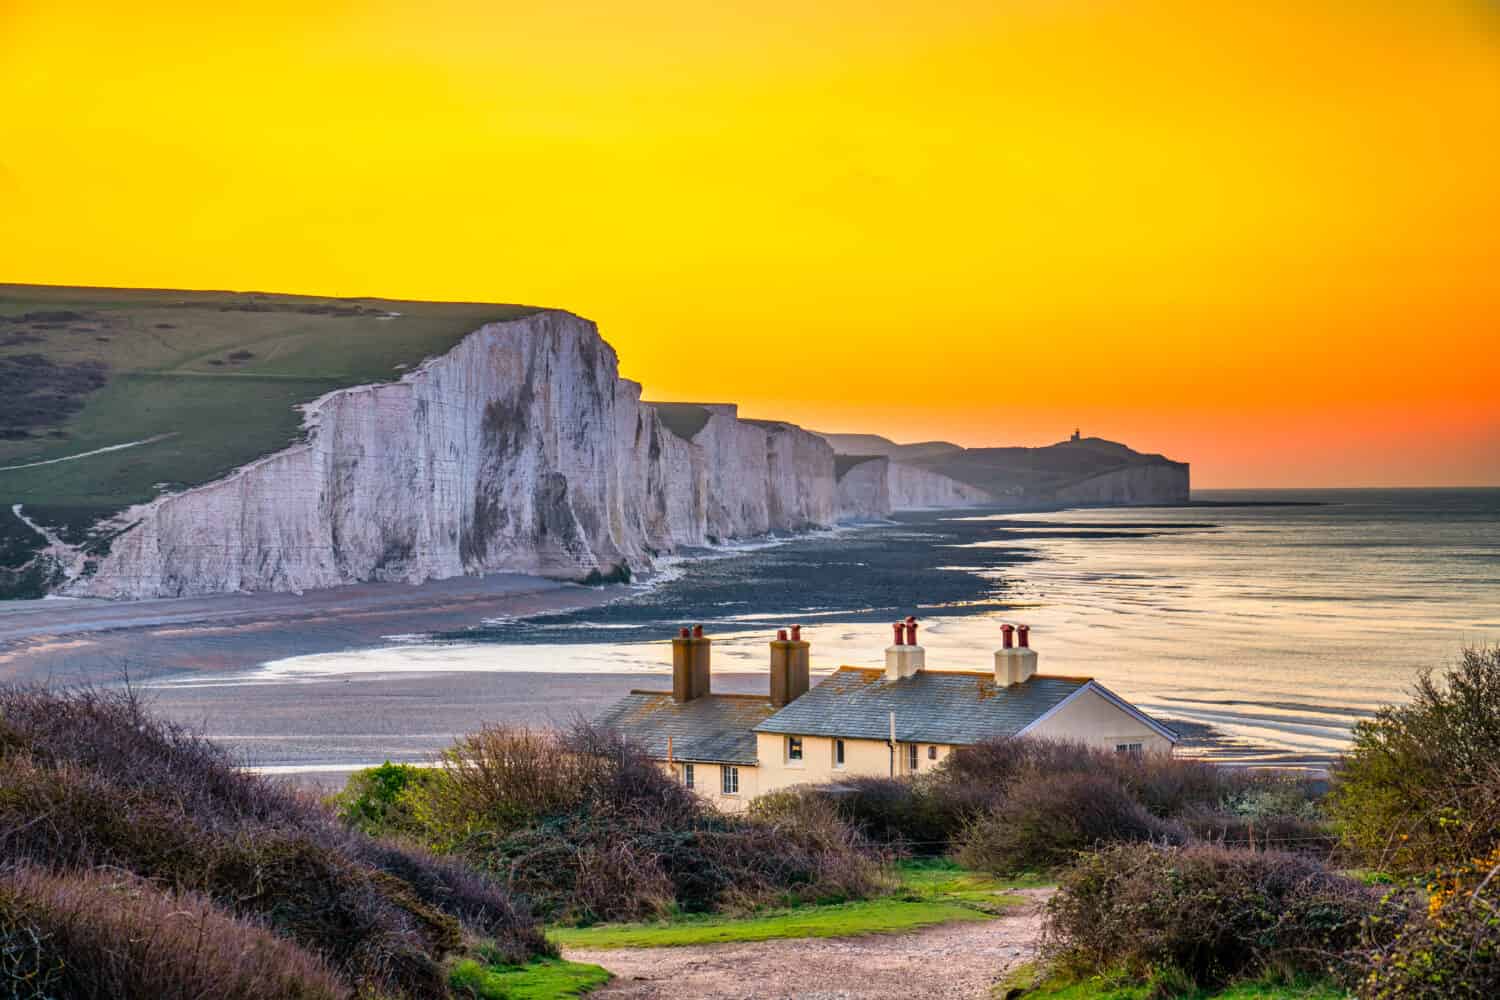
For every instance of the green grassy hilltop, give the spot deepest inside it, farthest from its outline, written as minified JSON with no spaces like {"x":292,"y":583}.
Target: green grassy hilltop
{"x":209,"y":380}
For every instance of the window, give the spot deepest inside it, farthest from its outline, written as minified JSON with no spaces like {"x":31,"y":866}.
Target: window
{"x":794,"y":748}
{"x":1130,"y":749}
{"x":730,"y":777}
{"x":932,"y":753}
{"x":838,"y":753}
{"x":911,"y":756}
{"x":687,"y":775}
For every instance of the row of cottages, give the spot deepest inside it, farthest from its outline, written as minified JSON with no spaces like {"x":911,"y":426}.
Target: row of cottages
{"x":898,"y":721}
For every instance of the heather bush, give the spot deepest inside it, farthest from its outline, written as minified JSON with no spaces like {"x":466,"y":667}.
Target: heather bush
{"x":110,"y":936}
{"x":1042,"y":824}
{"x":1420,"y":788}
{"x":1207,"y":915}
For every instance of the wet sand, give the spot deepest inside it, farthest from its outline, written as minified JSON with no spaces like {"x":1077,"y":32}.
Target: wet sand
{"x":93,"y":641}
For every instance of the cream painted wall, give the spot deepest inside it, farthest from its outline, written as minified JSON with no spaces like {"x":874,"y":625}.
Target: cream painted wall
{"x":862,"y":758}
{"x":1093,"y":719}
{"x":708,"y":783}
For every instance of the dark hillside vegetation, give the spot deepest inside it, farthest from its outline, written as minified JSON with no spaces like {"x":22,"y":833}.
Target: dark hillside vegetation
{"x":96,"y":789}
{"x":205,"y":381}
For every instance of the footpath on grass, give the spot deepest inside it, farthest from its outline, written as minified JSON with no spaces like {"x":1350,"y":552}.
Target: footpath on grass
{"x":946,"y":933}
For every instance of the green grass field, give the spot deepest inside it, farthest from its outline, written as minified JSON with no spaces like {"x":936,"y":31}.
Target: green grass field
{"x":932,"y":892}
{"x":539,"y":979}
{"x":213,"y":377}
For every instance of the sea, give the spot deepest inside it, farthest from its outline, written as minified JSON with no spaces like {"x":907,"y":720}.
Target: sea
{"x":1262,"y":625}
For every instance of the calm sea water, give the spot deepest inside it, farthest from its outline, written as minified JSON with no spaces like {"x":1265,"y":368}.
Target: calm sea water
{"x":1261,"y":624}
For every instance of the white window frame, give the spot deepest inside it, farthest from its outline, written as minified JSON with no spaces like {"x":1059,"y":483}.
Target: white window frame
{"x":687,"y":775}
{"x":729,"y":779}
{"x":913,"y":756}
{"x":838,"y":754}
{"x":1131,"y":749}
{"x":932,"y":751}
{"x":795,"y":751}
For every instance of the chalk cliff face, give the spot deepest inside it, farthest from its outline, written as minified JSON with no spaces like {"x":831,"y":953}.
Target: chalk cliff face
{"x":520,"y":450}
{"x":1165,"y":483}
{"x":873,"y":486}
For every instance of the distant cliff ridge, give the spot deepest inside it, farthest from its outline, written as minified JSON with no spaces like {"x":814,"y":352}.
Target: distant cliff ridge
{"x":521,"y":450}
{"x":1078,"y":471}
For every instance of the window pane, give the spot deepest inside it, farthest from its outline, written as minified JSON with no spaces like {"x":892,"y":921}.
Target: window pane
{"x":911,"y":756}
{"x":731,"y":783}
{"x":687,"y":775}
{"x":794,"y":748}
{"x":838,"y":751}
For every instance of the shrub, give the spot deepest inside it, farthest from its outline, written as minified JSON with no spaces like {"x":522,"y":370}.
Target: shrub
{"x":1208,"y":914}
{"x":584,"y":827}
{"x":1419,"y":788}
{"x":909,"y":815}
{"x":385,"y":800}
{"x":109,"y":936}
{"x":92,"y":779}
{"x":1274,"y":831}
{"x":1042,"y":824}
{"x":1450,"y":951}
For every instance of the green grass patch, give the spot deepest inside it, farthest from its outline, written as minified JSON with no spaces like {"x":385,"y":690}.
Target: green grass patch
{"x":1121,"y":988}
{"x":540,"y":979}
{"x":928,"y":892}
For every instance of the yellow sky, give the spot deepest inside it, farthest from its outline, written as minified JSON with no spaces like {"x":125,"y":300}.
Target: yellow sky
{"x":1262,"y":237}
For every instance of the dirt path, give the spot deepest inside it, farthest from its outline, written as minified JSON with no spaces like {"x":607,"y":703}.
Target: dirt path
{"x":947,"y":962}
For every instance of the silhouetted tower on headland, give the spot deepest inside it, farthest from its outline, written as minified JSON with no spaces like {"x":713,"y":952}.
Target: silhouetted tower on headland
{"x":1077,"y":436}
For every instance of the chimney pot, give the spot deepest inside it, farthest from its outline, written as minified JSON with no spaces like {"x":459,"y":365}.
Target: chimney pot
{"x":796,"y":633}
{"x":900,"y":630}
{"x":781,"y":635}
{"x":1006,"y":635}
{"x":684,"y":632}
{"x":911,"y":632}
{"x":1023,"y":635}
{"x":698,"y":633}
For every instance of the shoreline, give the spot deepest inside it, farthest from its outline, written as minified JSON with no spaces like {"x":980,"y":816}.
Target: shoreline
{"x":88,"y":640}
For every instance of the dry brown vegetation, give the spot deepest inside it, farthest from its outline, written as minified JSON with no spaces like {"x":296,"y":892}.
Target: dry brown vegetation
{"x":93,"y":783}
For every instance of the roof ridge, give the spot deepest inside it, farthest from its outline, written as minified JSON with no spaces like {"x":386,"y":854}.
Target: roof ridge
{"x":711,"y":694}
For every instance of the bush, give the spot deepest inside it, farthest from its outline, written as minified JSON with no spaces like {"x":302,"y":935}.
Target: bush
{"x":1207,"y":914}
{"x":916,"y":816}
{"x":385,"y":801}
{"x":583,"y":827}
{"x":1452,"y":952}
{"x":91,"y":780}
{"x":1040,"y":825}
{"x":1421,"y":787}
{"x":98,"y":936}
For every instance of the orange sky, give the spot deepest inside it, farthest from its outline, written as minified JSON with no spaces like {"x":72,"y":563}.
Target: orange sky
{"x":1262,"y":237}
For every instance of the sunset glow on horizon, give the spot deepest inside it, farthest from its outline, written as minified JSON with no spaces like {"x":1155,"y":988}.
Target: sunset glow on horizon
{"x":1262,"y":240}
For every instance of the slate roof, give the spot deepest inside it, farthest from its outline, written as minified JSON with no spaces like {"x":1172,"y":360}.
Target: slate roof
{"x":716,"y":728}
{"x":932,"y":706}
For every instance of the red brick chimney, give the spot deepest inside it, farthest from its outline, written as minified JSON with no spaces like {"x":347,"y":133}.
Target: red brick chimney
{"x":690,"y":664}
{"x":789,"y":667}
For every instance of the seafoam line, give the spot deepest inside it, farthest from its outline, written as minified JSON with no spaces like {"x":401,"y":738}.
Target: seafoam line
{"x":86,"y":454}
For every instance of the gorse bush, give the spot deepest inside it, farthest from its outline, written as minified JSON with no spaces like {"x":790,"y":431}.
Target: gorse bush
{"x":1450,"y":952}
{"x":92,"y":781}
{"x":1420,"y":788}
{"x":110,"y":936}
{"x":1206,"y":915}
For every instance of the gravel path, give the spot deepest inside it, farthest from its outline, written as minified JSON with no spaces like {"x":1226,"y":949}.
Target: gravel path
{"x":947,"y":962}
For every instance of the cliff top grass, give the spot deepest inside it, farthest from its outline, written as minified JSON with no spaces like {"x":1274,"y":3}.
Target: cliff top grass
{"x":209,"y":380}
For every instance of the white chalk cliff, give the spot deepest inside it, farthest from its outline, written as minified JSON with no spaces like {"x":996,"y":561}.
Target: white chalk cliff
{"x":520,"y":450}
